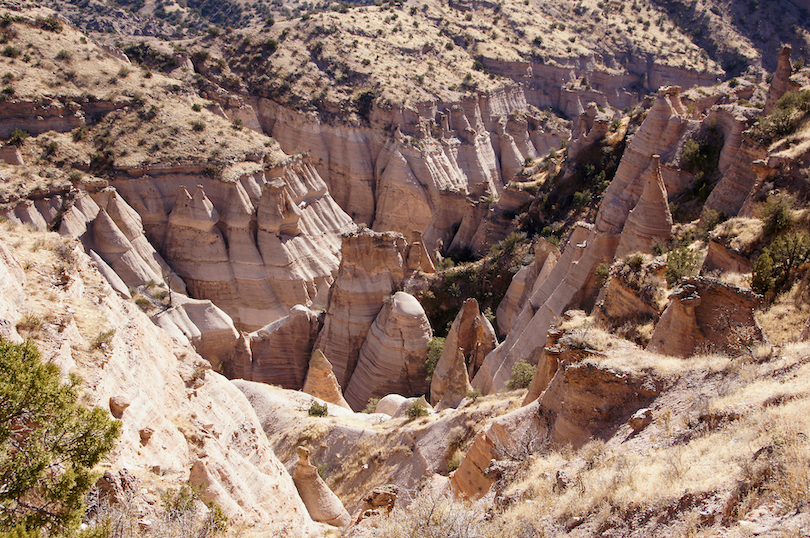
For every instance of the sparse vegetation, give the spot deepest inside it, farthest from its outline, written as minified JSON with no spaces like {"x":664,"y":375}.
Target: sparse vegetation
{"x":318,"y":410}
{"x":522,"y":375}
{"x":415,"y":410}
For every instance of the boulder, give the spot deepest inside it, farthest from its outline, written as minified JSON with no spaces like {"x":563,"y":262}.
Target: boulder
{"x":392,"y":358}
{"x":456,"y":384}
{"x":321,"y":381}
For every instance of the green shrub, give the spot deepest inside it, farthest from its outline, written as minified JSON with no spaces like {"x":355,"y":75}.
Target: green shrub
{"x":237,"y":124}
{"x":601,"y":272}
{"x":18,"y":137}
{"x":196,"y":107}
{"x":522,"y":375}
{"x":50,"y":24}
{"x":681,"y":262}
{"x":318,"y":410}
{"x":11,"y":51}
{"x":474,"y":394}
{"x":197,"y":126}
{"x":415,"y":409}
{"x":63,"y":55}
{"x":775,"y":212}
{"x":49,"y":443}
{"x":371,"y":406}
{"x":773,"y":268}
{"x":435,"y":349}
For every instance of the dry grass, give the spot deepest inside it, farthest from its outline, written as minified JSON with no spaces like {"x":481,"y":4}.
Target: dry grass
{"x":740,"y":234}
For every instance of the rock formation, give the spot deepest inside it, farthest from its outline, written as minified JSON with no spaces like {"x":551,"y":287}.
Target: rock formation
{"x":456,"y":382}
{"x":371,"y":269}
{"x":704,"y":312}
{"x":392,"y":358}
{"x":525,"y":283}
{"x":321,"y":381}
{"x":582,"y":401}
{"x":781,"y":83}
{"x":198,"y":420}
{"x":281,"y":351}
{"x":471,"y":335}
{"x":650,"y":220}
{"x":322,"y":504}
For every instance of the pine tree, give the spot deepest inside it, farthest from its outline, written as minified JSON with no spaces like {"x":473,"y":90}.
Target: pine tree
{"x":49,"y":443}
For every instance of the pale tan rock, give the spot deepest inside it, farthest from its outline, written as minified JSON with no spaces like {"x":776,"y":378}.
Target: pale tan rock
{"x":322,"y":504}
{"x":524,"y":283}
{"x":321,"y":381}
{"x":418,"y":257}
{"x":473,"y":335}
{"x":203,"y":325}
{"x":371,"y":269}
{"x":195,"y":414}
{"x":707,"y":312}
{"x":571,"y":274}
{"x":392,"y":358}
{"x":641,"y":419}
{"x":456,"y":383}
{"x":281,"y":351}
{"x":389,"y":404}
{"x":724,"y":259}
{"x":118,"y":405}
{"x":650,"y":220}
{"x":12,"y":281}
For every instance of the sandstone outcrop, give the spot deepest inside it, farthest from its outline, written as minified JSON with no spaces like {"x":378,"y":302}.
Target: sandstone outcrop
{"x":322,"y":504}
{"x":471,"y":335}
{"x":650,"y":220}
{"x":371,"y":269}
{"x":524,"y":283}
{"x":12,"y":282}
{"x":781,"y":83}
{"x":198,"y":419}
{"x":456,"y":383}
{"x":281,"y":351}
{"x":707,"y":313}
{"x":272,"y":233}
{"x":321,"y":381}
{"x":392,"y":358}
{"x":583,"y":401}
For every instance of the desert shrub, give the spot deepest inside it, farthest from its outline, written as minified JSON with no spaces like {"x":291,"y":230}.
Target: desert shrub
{"x":601,"y":273}
{"x":197,"y":126}
{"x":318,"y":410}
{"x":790,"y":110}
{"x":522,"y":375}
{"x":364,"y":103}
{"x":773,"y":268}
{"x":183,"y":517}
{"x":50,"y":24}
{"x":474,"y":394}
{"x":63,"y":55}
{"x":435,"y":349}
{"x":196,"y":107}
{"x":237,"y":124}
{"x":681,"y":262}
{"x":18,"y":137}
{"x":10,"y":51}
{"x":49,"y":443}
{"x":775,"y":212}
{"x":371,"y":406}
{"x":416,"y":409}
{"x":103,"y":339}
{"x":432,"y":517}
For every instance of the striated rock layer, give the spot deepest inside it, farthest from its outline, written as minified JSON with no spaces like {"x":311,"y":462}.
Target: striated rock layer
{"x":473,"y":337}
{"x":371,"y":269}
{"x":392,"y":359}
{"x":321,"y":381}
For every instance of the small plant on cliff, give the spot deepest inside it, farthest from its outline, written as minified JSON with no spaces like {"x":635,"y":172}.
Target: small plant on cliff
{"x":371,"y":406}
{"x":681,"y":262}
{"x":522,"y":375}
{"x":435,"y":349}
{"x":182,"y":514}
{"x":49,"y":443}
{"x":318,"y":410}
{"x":18,"y":137}
{"x":775,"y":212}
{"x":415,"y":409}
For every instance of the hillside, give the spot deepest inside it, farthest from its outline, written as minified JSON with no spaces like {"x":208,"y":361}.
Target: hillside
{"x":430,"y":269}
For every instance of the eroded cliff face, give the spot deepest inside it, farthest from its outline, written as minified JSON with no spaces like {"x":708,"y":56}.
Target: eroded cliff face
{"x":168,"y":399}
{"x":414,"y":168}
